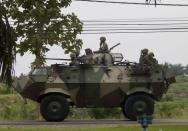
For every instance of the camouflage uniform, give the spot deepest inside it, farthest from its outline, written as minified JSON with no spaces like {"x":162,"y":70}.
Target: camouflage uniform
{"x":143,"y":56}
{"x":103,"y":45}
{"x":150,"y":60}
{"x":77,"y":52}
{"x":88,"y":58}
{"x":74,"y":60}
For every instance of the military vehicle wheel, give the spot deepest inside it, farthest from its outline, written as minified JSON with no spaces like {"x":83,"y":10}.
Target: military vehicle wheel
{"x":54,"y":108}
{"x":124,"y":112}
{"x":138,"y":105}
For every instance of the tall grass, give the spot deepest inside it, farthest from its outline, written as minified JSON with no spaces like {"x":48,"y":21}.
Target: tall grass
{"x":14,"y":108}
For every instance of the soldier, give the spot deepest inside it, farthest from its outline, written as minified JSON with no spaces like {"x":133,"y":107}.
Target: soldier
{"x":103,"y":45}
{"x":143,"y":56}
{"x":77,"y":52}
{"x":74,"y":60}
{"x":151,"y":60}
{"x":89,"y":56}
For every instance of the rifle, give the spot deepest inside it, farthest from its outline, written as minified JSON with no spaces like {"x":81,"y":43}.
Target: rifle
{"x":114,"y":46}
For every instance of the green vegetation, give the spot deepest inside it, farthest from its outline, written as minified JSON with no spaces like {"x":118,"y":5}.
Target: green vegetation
{"x":125,"y":128}
{"x":179,"y":90}
{"x":38,"y":24}
{"x":172,"y":109}
{"x":95,"y":113}
{"x":14,"y":108}
{"x":5,"y":89}
{"x":41,"y":23}
{"x":175,"y":103}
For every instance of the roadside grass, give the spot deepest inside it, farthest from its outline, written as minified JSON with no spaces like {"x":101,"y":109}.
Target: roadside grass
{"x":179,"y":90}
{"x":175,"y":103}
{"x":123,"y":128}
{"x":14,"y":108}
{"x":172,"y":109}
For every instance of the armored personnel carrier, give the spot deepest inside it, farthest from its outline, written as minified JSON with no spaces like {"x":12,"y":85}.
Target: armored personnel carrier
{"x":97,"y":79}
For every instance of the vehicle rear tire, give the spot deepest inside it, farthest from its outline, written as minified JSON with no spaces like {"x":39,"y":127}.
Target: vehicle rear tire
{"x":138,"y":105}
{"x":54,"y":108}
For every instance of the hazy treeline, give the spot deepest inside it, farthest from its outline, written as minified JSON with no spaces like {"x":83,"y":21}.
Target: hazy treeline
{"x":179,"y":69}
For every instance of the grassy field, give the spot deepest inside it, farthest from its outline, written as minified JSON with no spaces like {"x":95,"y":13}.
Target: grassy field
{"x":13,"y":107}
{"x":172,"y":109}
{"x":175,"y":103}
{"x":179,"y":90}
{"x":127,"y":128}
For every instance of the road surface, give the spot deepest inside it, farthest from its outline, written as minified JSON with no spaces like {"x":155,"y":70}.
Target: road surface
{"x":85,"y":123}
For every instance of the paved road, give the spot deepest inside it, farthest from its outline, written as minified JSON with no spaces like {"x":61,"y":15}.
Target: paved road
{"x":85,"y":123}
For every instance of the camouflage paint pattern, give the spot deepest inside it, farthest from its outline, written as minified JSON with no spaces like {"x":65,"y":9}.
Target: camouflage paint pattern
{"x":105,"y":84}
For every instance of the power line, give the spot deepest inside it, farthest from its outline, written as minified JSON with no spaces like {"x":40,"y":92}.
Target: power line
{"x":115,"y":25}
{"x":120,"y":24}
{"x":132,"y":32}
{"x":133,"y":28}
{"x":132,"y":3}
{"x":141,"y":32}
{"x":115,"y":29}
{"x":152,"y":18}
{"x":185,"y":28}
{"x":101,"y":21}
{"x":127,"y":31}
{"x":129,"y":20}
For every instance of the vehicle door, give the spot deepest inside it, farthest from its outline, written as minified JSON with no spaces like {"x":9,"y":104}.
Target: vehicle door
{"x":99,"y":82}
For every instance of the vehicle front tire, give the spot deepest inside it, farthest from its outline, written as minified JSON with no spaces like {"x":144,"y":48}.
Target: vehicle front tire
{"x":138,"y":105}
{"x":54,"y":108}
{"x":124,"y":112}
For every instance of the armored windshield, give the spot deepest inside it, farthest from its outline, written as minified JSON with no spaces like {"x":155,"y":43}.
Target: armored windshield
{"x":40,"y":71}
{"x":117,"y":57}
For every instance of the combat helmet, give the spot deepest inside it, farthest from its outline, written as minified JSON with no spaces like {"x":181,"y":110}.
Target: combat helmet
{"x":102,"y":38}
{"x":73,"y":55}
{"x":151,"y":54}
{"x":145,"y":51}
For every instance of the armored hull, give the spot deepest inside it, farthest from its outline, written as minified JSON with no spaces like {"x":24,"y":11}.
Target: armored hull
{"x":122,"y":84}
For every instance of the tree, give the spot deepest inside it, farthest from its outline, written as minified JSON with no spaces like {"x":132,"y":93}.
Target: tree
{"x":178,"y":69}
{"x":40,"y":23}
{"x":7,"y":47}
{"x":186,"y":69}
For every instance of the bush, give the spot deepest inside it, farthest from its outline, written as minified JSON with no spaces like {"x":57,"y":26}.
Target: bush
{"x":95,"y":113}
{"x":103,"y":113}
{"x":5,"y":89}
{"x":14,"y":108}
{"x":170,"y":109}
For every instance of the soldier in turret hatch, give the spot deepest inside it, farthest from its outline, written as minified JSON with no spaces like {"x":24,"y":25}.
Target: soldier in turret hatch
{"x":103,"y":45}
{"x":150,"y":60}
{"x":143,"y":56}
{"x":89,"y":56}
{"x":74,"y":59}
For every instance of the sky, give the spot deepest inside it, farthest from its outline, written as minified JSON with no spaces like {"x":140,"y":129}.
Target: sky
{"x":167,"y":47}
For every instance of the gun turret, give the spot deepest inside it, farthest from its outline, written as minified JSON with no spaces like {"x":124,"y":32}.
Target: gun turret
{"x":114,"y":46}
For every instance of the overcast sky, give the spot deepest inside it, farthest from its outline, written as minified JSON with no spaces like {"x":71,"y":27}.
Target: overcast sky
{"x":167,"y":47}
